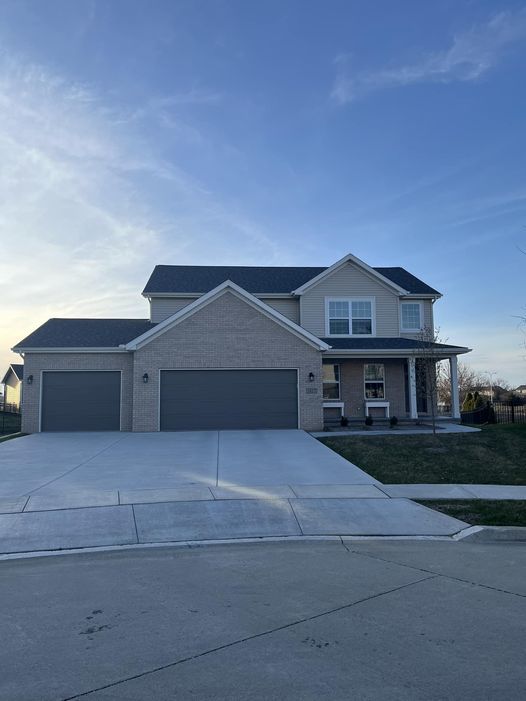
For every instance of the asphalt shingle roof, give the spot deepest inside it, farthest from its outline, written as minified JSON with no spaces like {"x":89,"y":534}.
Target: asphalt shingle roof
{"x":18,"y":369}
{"x":381,"y":343}
{"x":257,"y":280}
{"x":85,"y":333}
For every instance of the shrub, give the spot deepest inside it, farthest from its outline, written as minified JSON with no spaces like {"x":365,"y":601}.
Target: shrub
{"x":368,"y":420}
{"x":478,"y":402}
{"x":344,"y":421}
{"x":467,"y":404}
{"x":393,"y":421}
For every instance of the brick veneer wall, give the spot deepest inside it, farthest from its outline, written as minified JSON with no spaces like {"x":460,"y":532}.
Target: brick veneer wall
{"x":34,"y":363}
{"x":227,"y":333}
{"x":352,"y":386}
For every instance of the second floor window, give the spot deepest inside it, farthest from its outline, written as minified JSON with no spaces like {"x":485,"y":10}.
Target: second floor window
{"x":350,"y":317}
{"x":411,"y":320}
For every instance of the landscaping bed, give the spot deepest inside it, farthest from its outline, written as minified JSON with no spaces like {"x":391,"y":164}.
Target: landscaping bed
{"x":482,"y":512}
{"x":495,"y":455}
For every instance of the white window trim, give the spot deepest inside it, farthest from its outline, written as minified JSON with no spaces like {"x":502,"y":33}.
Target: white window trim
{"x":338,"y":398}
{"x":373,"y":399}
{"x":372,"y":300}
{"x":421,"y":305}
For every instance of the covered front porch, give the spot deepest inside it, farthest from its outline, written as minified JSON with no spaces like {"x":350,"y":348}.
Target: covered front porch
{"x":387,"y":386}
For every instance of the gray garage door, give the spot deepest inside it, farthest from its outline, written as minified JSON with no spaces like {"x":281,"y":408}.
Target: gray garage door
{"x":81,"y":401}
{"x":228,"y":399}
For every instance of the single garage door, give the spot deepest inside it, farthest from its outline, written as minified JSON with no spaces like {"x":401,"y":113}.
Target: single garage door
{"x":81,"y":401}
{"x":228,"y":399}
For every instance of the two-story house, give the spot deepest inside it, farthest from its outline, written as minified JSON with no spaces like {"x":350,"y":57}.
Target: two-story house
{"x":240,"y":348}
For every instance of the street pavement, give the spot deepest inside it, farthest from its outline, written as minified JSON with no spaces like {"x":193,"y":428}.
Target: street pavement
{"x":370,"y":620}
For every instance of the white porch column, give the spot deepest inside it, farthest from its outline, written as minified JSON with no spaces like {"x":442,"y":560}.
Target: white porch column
{"x":411,"y":373}
{"x":453,"y":374}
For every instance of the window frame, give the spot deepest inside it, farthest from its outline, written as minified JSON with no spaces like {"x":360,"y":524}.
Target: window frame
{"x":418,"y":302}
{"x":349,"y":301}
{"x":339,"y":383}
{"x":365,"y":381}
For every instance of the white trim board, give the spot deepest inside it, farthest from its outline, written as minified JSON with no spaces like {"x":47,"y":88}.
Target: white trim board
{"x":223,"y":288}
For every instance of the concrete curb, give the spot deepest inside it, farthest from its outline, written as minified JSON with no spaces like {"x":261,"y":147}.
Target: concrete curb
{"x":225,"y":541}
{"x":493,"y":534}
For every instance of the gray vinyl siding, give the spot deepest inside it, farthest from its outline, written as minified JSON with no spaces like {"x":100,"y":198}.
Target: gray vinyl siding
{"x":288,"y":307}
{"x":163,"y":307}
{"x":427,"y":308}
{"x":349,"y":281}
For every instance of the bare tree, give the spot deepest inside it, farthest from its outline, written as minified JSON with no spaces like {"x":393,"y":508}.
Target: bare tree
{"x":469,"y":380}
{"x":428,"y":372}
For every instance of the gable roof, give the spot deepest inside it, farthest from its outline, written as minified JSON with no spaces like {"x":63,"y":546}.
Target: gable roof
{"x":17,"y":369}
{"x":198,"y":279}
{"x":84,"y":333}
{"x":349,"y":258}
{"x":223,"y":288}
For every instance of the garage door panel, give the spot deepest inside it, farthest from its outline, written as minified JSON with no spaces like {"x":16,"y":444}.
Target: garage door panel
{"x":228,"y":399}
{"x":81,"y":401}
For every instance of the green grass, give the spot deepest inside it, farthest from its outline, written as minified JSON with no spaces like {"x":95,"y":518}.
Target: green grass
{"x":11,"y":436}
{"x":496,"y":455}
{"x":483,"y":512}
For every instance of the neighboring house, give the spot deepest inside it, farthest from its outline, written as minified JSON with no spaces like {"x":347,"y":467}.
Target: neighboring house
{"x":521,"y":389}
{"x":12,"y":382}
{"x":495,"y":393}
{"x":239,"y":348}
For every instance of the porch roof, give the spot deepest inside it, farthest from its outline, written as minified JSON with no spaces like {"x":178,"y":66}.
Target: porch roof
{"x":387,"y":345}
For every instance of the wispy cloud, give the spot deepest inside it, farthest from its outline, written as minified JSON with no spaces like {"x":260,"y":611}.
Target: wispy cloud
{"x":472,"y":54}
{"x":88,"y":204}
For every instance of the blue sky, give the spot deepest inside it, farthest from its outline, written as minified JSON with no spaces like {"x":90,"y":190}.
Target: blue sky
{"x":276,"y":132}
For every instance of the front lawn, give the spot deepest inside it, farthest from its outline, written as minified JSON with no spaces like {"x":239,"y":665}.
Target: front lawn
{"x":496,"y":455}
{"x":483,"y":512}
{"x":10,"y":436}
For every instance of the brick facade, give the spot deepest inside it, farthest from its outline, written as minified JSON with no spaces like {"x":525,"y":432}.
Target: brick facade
{"x":352,"y":388}
{"x":226,"y":333}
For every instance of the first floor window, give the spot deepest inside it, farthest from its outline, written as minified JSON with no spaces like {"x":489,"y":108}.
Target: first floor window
{"x":350,"y":317}
{"x":374,"y":375}
{"x":331,"y":381}
{"x":411,"y":316}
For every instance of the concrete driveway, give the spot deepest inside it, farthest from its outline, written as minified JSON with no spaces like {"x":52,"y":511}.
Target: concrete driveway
{"x":79,"y":490}
{"x":72,"y":462}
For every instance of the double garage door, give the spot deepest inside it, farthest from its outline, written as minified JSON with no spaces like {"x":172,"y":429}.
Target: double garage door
{"x":228,"y":399}
{"x":189,"y":400}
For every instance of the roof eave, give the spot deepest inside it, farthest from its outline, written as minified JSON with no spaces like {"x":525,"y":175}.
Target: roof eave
{"x":69,"y":349}
{"x":401,"y":352}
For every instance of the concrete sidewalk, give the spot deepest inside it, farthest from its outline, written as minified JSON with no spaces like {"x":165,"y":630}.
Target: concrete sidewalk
{"x":455,"y":491}
{"x":70,"y":519}
{"x":39,"y":527}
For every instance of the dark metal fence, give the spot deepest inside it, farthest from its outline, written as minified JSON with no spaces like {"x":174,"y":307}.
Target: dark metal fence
{"x":509,"y":413}
{"x":497,"y":413}
{"x":10,"y":422}
{"x":12,"y":408}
